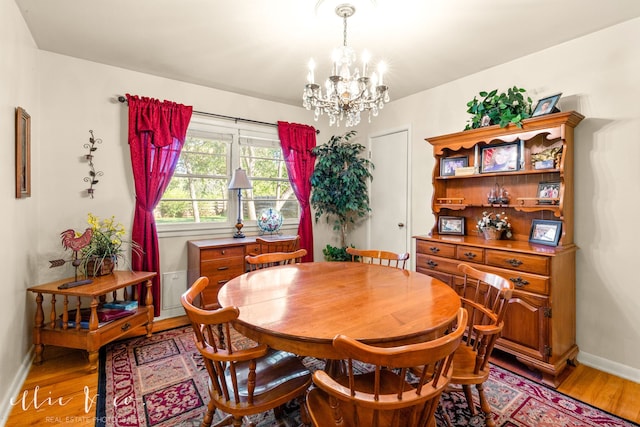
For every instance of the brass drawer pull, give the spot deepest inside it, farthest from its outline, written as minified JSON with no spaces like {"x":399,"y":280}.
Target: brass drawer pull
{"x":223,"y":268}
{"x":470,"y":255}
{"x":519,"y":281}
{"x":514,"y":262}
{"x":125,"y":326}
{"x":434,"y":249}
{"x":432,"y":263}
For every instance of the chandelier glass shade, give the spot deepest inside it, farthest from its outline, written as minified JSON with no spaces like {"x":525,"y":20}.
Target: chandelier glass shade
{"x":348,"y":91}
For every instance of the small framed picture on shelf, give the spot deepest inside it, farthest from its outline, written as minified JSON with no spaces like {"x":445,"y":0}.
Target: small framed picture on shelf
{"x":448,"y":165}
{"x":500,"y":158}
{"x":545,"y":232}
{"x":548,"y":190}
{"x":546,"y":105}
{"x":451,"y":225}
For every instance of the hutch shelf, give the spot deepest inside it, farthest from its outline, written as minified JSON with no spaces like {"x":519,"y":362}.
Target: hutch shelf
{"x":540,"y":321}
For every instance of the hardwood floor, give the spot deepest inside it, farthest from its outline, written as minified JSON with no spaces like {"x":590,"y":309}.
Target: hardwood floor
{"x":62,"y":392}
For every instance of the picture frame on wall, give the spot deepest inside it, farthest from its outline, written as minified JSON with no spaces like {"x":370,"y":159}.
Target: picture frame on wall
{"x":500,"y":158}
{"x":448,"y":165}
{"x":23,"y":153}
{"x":546,"y":105}
{"x":451,"y":225}
{"x":545,"y":232}
{"x":548,"y":190}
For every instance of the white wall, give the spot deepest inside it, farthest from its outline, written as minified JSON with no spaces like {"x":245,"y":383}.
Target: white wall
{"x":18,"y":251}
{"x":598,"y":76}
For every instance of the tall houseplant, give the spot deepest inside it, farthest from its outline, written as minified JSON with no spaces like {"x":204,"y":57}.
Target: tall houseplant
{"x":499,"y":108}
{"x":339,"y":183}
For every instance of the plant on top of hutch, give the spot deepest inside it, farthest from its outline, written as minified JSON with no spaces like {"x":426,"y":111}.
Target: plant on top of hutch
{"x":499,"y":109}
{"x":540,"y":322}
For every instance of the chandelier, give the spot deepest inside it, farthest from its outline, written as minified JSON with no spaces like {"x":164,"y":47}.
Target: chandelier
{"x":346,"y":93}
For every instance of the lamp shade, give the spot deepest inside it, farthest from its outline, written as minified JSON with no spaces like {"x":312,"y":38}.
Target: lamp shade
{"x":239,"y":181}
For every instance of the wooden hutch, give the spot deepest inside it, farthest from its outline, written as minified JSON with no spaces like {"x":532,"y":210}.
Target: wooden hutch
{"x":540,"y":325}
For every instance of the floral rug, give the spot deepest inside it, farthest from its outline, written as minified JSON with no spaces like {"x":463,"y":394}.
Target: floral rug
{"x":161,"y":382}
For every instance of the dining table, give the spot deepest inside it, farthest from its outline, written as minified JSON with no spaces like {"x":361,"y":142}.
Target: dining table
{"x":301,"y":307}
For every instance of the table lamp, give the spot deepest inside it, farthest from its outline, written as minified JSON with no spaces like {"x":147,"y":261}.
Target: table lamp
{"x":239,"y":182}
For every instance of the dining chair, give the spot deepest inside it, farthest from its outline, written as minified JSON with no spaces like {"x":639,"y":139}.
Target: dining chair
{"x":486,"y":298}
{"x":277,"y":245}
{"x":385,"y":395}
{"x":257,"y":262}
{"x":243,"y":381}
{"x":375,"y":256}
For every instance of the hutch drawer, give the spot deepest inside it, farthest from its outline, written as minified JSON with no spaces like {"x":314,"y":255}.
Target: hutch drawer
{"x":518,"y":261}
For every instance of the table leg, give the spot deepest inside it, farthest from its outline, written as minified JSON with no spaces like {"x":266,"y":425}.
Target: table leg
{"x":37,"y":340}
{"x":93,"y":360}
{"x":149,"y":303}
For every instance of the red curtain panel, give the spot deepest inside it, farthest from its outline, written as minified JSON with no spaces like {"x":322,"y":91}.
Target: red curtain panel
{"x":297,"y":142}
{"x":157,"y":130}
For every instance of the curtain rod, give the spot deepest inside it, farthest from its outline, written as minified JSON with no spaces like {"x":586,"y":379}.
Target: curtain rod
{"x":123,"y":100}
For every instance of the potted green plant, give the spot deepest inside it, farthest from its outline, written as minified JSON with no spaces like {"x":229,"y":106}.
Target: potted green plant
{"x":106,"y":246}
{"x":339,"y":184}
{"x":499,"y":108}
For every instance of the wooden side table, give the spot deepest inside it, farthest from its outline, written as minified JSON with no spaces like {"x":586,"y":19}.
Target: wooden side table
{"x":57,"y":330}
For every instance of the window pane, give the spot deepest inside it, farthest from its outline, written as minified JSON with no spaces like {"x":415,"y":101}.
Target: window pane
{"x":198,"y":189}
{"x":271,"y":188}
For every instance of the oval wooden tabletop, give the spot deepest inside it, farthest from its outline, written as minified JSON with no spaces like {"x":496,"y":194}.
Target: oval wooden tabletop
{"x":301,"y":307}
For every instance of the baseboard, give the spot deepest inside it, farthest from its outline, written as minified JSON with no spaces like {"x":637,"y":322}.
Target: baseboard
{"x":610,"y":367}
{"x":16,"y":386}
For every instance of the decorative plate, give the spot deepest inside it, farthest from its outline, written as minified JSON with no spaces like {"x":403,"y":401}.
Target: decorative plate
{"x":270,"y":220}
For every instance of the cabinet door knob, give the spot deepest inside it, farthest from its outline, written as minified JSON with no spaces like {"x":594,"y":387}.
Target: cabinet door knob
{"x":432,"y":263}
{"x":514,"y":262}
{"x":125,"y":326}
{"x":469,"y":255}
{"x":519,"y":281}
{"x":400,"y":224}
{"x":223,"y":252}
{"x":434,"y":249}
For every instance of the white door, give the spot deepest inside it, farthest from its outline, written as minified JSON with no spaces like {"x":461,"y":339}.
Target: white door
{"x":388,"y":225}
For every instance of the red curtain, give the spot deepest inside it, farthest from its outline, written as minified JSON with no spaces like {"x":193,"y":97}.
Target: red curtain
{"x":157,"y":131}
{"x":297,"y":142}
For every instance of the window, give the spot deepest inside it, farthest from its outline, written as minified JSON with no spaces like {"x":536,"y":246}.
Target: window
{"x":198,"y":193}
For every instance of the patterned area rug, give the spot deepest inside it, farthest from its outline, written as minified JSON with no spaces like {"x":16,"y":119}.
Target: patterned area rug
{"x":161,"y":382}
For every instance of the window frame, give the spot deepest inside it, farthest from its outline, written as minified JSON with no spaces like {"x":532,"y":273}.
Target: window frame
{"x":202,"y":125}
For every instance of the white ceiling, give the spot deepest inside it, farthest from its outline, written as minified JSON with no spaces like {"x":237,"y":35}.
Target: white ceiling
{"x":261,"y":48}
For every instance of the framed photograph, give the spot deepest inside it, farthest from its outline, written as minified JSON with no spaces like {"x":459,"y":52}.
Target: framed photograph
{"x":548,"y":190}
{"x":448,"y":165}
{"x":451,"y":225}
{"x":500,"y":158}
{"x":545,"y":232}
{"x":546,"y":105}
{"x":23,"y":153}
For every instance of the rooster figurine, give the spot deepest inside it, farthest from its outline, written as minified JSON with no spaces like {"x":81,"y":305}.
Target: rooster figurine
{"x":70,"y":241}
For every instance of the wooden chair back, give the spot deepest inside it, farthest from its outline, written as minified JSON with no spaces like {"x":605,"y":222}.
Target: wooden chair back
{"x":385,"y":395}
{"x":486,"y":297}
{"x":271,"y":259}
{"x":277,"y":245}
{"x":244,"y":381}
{"x":375,"y":256}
